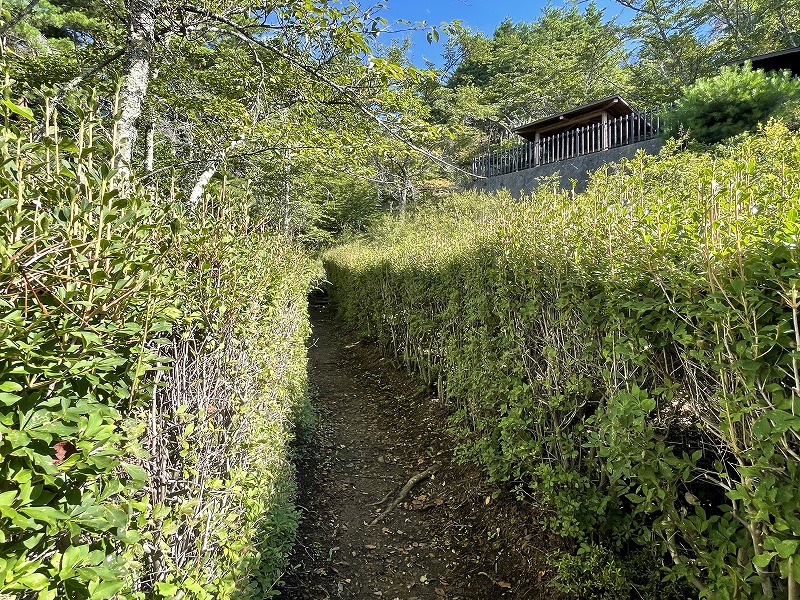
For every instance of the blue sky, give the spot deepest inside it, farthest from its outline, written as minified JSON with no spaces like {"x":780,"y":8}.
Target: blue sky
{"x":480,"y":15}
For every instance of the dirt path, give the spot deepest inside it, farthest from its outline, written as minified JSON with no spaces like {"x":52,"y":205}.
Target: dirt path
{"x":448,"y":540}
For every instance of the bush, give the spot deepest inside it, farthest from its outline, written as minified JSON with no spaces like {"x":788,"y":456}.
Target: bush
{"x":219,"y":428}
{"x":737,"y":100}
{"x":151,"y":364}
{"x":595,"y":572}
{"x":627,"y":356}
{"x":592,"y":572}
{"x":83,"y":297}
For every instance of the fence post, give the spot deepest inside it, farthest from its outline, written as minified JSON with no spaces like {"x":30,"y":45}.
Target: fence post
{"x":630,"y":129}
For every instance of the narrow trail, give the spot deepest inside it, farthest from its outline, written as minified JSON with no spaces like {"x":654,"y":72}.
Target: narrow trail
{"x":448,"y":539}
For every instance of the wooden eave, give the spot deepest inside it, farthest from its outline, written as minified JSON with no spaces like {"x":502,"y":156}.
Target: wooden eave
{"x":614,"y":106}
{"x":777,"y":61}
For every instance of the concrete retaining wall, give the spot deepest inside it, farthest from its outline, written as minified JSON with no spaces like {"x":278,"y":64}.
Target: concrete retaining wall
{"x":577,"y":168}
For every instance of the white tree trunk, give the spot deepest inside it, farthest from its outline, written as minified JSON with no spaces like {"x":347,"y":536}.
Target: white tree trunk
{"x":150,"y":141}
{"x":135,"y":75}
{"x":212,"y":167}
{"x":201,"y":184}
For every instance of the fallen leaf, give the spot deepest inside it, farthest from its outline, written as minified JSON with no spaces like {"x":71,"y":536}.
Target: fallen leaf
{"x":63,"y":451}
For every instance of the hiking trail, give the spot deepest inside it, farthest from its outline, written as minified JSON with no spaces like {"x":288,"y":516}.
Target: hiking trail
{"x":381,"y":454}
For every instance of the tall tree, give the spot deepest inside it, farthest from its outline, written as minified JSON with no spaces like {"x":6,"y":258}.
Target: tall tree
{"x":139,"y":50}
{"x":216,"y":89}
{"x":678,"y":41}
{"x":526,"y":71}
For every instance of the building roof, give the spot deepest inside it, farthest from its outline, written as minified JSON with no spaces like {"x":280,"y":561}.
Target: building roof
{"x":777,"y":61}
{"x":614,"y":106}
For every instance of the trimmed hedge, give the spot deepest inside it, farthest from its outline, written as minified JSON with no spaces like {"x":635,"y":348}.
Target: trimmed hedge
{"x":219,"y":427}
{"x":630,"y":356}
{"x":151,"y":367}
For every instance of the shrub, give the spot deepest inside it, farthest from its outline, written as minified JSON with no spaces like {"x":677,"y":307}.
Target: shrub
{"x":627,"y":356}
{"x":219,"y":427}
{"x":151,"y":364}
{"x":592,"y":572}
{"x":595,"y":572}
{"x":734,"y":101}
{"x":83,"y":295}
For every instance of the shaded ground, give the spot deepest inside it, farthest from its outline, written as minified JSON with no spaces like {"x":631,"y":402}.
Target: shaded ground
{"x":448,"y":540}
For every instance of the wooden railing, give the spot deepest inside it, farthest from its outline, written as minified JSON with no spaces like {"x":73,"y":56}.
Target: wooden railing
{"x":620,"y":131}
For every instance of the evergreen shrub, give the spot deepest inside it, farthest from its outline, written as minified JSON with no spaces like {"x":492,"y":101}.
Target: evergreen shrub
{"x":736,"y":100}
{"x":151,"y":364}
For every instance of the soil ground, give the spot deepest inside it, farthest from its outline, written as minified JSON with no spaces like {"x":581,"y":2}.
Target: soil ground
{"x":449,"y":539}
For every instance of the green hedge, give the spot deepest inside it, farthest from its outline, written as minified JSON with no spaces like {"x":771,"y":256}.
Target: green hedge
{"x":218,"y":431}
{"x":628,"y":357}
{"x":151,"y":366}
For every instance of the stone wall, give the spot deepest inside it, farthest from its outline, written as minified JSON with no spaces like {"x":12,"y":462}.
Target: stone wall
{"x":577,"y":168}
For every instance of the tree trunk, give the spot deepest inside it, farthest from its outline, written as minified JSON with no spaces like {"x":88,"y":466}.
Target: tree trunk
{"x":135,"y":75}
{"x":149,"y":150}
{"x":212,"y":166}
{"x":201,"y":184}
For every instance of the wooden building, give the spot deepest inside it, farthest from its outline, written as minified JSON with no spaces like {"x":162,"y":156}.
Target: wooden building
{"x":781,"y":60}
{"x":593,"y":127}
{"x":597,"y":112}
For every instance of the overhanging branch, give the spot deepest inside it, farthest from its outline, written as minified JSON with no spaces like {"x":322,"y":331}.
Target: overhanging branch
{"x":240,"y":32}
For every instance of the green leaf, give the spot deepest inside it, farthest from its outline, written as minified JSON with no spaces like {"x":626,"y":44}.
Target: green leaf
{"x":44,"y":513}
{"x":763,"y":559}
{"x":787,"y":548}
{"x":101,"y":590}
{"x":49,"y":594}
{"x":9,"y":399}
{"x":22,"y":111}
{"x":7,"y":203}
{"x":135,"y":472}
{"x":116,"y":517}
{"x":6,"y":498}
{"x":762,"y":427}
{"x":167,"y":590}
{"x":72,"y":556}
{"x":33,"y":581}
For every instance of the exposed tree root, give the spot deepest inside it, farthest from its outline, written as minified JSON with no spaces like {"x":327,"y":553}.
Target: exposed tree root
{"x":382,"y":500}
{"x":405,"y":491}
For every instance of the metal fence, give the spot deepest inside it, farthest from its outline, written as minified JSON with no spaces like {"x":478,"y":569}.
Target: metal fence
{"x":596,"y":137}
